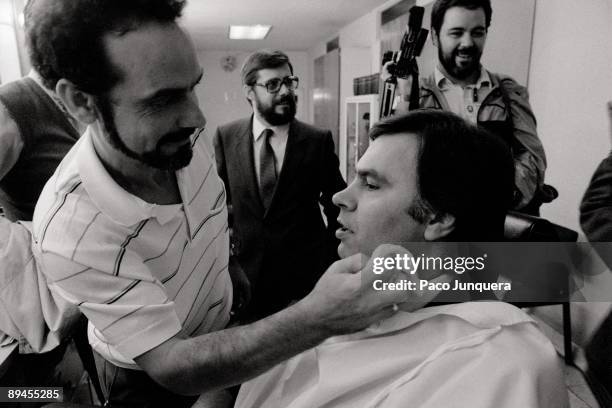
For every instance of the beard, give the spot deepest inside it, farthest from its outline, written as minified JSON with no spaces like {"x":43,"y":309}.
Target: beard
{"x":156,"y":158}
{"x":270,"y":115}
{"x":463,"y":71}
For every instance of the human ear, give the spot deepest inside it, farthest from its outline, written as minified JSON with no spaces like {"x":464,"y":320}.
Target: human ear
{"x":248,"y":92}
{"x":434,"y":38}
{"x":80,"y":104}
{"x":439,"y":226}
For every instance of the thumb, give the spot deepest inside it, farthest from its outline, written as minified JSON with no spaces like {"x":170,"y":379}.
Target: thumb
{"x":353,"y":264}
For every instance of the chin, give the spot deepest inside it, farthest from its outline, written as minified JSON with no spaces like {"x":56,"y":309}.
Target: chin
{"x":177,"y":161}
{"x":344,"y":251}
{"x":180,"y":161}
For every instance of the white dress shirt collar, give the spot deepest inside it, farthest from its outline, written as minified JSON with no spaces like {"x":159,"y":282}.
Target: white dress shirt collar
{"x":259,"y":127}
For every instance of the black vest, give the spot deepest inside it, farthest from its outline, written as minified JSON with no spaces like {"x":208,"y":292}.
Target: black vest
{"x":47,"y":136}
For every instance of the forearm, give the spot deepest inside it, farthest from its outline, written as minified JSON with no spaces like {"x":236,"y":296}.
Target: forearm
{"x":527,"y":177}
{"x":525,"y":130}
{"x":531,"y":153}
{"x":343,"y":301}
{"x":229,"y":357}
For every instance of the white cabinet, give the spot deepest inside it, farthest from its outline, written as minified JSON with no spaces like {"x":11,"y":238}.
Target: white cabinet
{"x":360,"y":113}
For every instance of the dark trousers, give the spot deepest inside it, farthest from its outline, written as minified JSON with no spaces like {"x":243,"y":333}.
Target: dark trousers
{"x":599,"y":355}
{"x":34,"y":370}
{"x":124,"y":388}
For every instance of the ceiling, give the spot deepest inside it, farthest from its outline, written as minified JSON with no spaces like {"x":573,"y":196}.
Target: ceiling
{"x":297,"y":24}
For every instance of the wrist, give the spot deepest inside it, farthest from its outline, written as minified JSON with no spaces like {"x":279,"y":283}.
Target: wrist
{"x":308,"y":314}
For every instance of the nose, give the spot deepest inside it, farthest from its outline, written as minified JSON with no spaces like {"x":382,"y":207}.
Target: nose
{"x":467,"y":40}
{"x":345,"y":199}
{"x":284,"y":89}
{"x":192,"y":115}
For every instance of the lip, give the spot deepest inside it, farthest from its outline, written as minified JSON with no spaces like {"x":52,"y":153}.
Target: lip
{"x":179,"y":142}
{"x":343,"y":231}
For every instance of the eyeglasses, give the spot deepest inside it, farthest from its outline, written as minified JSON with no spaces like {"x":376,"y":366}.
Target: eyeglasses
{"x":274,"y":85}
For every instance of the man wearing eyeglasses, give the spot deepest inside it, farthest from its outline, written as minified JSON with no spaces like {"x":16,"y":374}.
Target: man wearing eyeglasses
{"x":278,"y":172}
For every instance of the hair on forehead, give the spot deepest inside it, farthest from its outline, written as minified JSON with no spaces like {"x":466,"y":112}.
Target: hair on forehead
{"x":65,"y":37}
{"x":440,"y":8}
{"x":462,"y":170}
{"x":262,"y":59}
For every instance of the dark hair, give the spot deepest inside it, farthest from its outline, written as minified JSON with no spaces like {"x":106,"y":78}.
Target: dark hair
{"x":64,"y":37}
{"x":262,"y":59}
{"x":441,"y":6}
{"x":462,"y":170}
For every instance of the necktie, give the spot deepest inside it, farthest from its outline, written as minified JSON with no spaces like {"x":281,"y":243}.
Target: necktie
{"x":267,"y":169}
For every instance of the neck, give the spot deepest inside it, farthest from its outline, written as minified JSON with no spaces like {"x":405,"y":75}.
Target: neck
{"x":152,"y":185}
{"x":262,"y":120}
{"x":469,"y":80}
{"x":265,"y":122}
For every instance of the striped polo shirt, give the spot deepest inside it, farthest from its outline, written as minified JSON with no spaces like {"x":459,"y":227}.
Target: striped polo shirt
{"x":140,"y":272}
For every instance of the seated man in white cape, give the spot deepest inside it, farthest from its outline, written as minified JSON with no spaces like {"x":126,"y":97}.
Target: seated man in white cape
{"x":426,"y":177}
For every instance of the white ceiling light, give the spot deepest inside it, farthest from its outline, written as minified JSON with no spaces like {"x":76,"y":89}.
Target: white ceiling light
{"x":253,"y":32}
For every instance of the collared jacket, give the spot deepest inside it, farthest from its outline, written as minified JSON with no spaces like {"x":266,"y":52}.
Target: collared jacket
{"x":519,"y":129}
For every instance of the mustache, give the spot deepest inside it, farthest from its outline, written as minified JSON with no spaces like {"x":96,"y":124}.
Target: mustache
{"x":470,"y":51}
{"x":286,"y":99}
{"x":177,"y":136}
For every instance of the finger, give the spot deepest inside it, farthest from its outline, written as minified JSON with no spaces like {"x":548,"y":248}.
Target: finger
{"x":383,"y":264}
{"x":387,"y":298}
{"x":353,"y":264}
{"x":390,"y":250}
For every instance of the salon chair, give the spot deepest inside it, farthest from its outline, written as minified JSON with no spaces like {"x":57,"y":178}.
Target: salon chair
{"x":526,"y":228}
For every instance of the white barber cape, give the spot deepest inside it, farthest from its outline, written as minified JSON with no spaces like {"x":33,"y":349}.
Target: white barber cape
{"x":475,"y":354}
{"x":29,"y":313}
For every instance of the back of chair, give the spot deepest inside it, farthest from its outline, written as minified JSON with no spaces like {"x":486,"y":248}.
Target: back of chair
{"x":527,"y":228}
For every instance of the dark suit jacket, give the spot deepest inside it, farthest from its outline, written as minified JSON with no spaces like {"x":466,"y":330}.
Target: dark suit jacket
{"x":285,"y":249}
{"x":596,"y":206}
{"x":596,"y":222}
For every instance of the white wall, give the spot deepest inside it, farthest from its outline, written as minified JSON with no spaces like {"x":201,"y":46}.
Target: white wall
{"x":358,"y":43}
{"x":10,"y":68}
{"x":221,"y":96}
{"x":570,"y":82}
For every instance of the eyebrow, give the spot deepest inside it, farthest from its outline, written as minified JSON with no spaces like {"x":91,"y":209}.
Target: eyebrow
{"x":371,"y":173}
{"x":464,"y":29}
{"x":170,"y":92}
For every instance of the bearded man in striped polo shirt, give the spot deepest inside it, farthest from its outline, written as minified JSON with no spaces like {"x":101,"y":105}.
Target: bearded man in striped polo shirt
{"x":132,"y":227}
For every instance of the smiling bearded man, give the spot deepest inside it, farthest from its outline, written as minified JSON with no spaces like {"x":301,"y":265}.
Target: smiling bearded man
{"x":496,"y":102}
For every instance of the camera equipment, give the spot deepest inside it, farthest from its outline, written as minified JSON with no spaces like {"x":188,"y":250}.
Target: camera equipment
{"x":404,"y":62}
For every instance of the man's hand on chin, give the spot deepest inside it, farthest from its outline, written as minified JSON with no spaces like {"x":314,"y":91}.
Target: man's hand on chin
{"x":345,"y":300}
